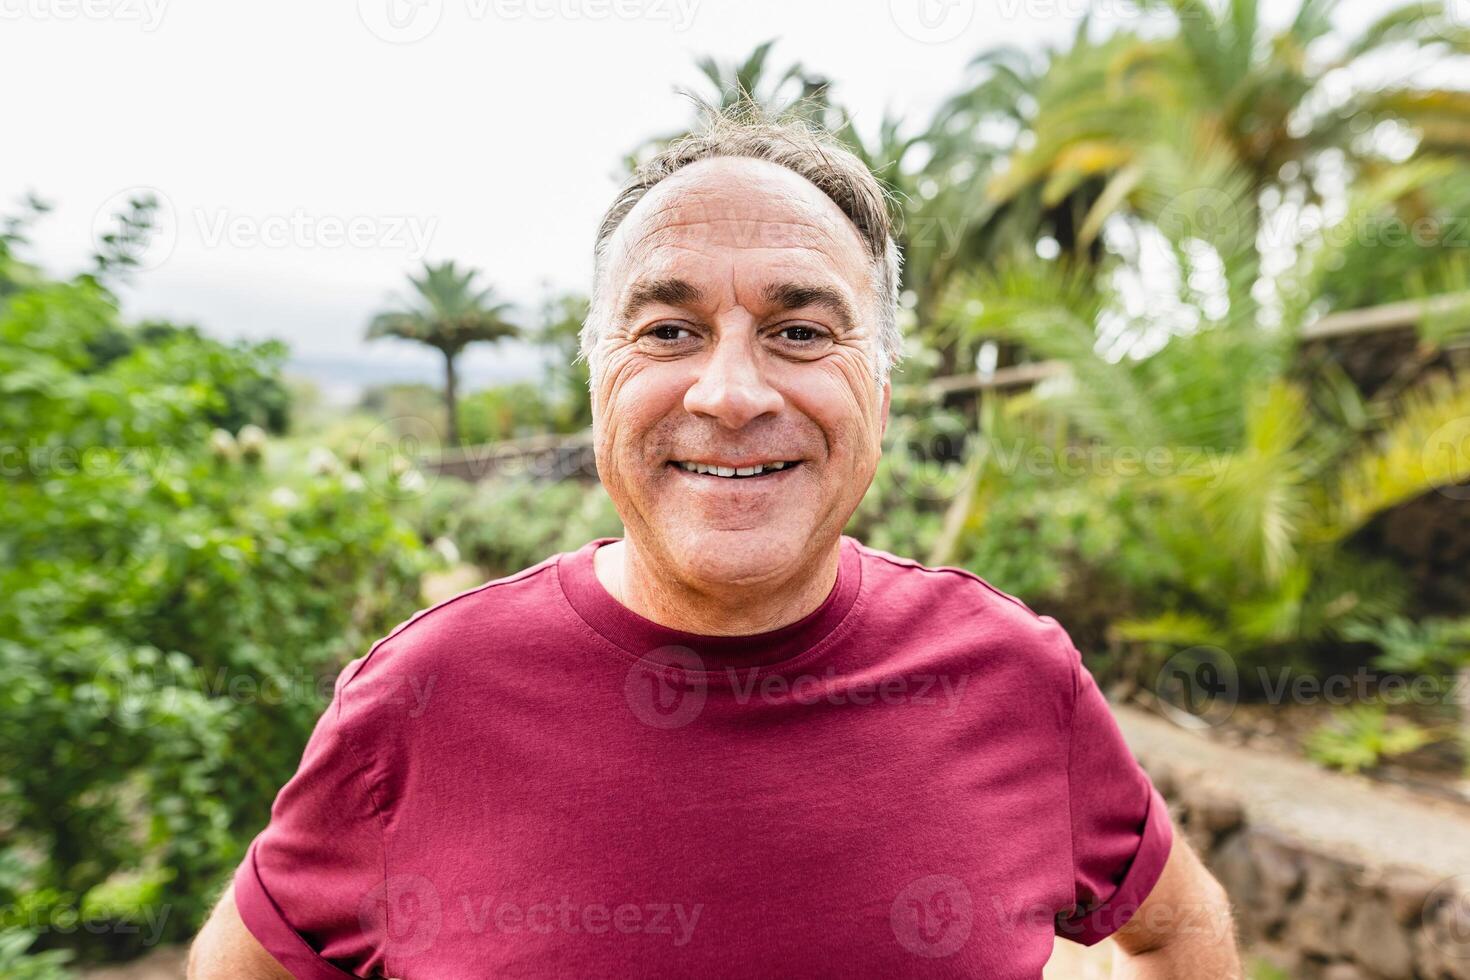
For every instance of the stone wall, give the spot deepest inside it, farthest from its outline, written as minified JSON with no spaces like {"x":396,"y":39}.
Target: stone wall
{"x":1313,"y":913}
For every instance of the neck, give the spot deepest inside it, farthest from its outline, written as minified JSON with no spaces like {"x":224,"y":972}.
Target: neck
{"x":740,"y":610}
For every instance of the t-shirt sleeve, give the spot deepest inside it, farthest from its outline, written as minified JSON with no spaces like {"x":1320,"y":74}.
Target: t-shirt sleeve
{"x":308,"y":877}
{"x":1121,"y":834}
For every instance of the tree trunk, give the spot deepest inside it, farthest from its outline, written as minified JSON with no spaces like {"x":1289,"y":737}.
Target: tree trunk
{"x":451,"y":412}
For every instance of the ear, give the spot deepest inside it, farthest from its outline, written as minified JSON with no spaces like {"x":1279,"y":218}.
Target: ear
{"x":887,"y":401}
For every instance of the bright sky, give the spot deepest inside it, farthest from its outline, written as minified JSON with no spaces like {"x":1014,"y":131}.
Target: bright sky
{"x":309,"y":154}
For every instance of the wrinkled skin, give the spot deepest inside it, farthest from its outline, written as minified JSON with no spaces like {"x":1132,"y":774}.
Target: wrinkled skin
{"x":740,"y":329}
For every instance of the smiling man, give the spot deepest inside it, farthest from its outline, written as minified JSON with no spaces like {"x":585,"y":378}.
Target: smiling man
{"x":734,"y":742}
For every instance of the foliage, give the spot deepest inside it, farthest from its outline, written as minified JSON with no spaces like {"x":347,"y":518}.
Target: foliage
{"x":448,"y":312}
{"x":503,"y":526}
{"x":173,"y":608}
{"x":1428,"y":647}
{"x":1361,"y":736}
{"x":1259,"y":474}
{"x":17,"y":964}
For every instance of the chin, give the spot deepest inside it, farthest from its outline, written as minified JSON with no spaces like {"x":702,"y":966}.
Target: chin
{"x":739,"y":556}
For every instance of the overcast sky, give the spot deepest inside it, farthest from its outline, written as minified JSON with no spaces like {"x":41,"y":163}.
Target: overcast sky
{"x":309,"y":153}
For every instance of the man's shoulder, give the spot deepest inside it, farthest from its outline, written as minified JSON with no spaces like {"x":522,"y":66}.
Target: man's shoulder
{"x":445,"y":635}
{"x":947,"y":581}
{"x":957,"y":599}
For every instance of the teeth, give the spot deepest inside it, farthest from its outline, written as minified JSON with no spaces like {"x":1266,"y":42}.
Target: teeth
{"x":730,"y":471}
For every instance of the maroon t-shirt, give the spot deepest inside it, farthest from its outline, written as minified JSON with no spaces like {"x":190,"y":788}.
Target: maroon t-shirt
{"x":920,"y":778}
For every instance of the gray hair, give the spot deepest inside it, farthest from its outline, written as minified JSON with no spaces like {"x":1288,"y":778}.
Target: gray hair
{"x":811,"y":152}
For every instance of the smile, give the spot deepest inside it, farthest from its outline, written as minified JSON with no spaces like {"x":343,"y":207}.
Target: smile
{"x":735,"y":472}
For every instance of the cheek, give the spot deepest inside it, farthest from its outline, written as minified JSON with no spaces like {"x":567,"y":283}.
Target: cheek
{"x":838,"y":400}
{"x":633,"y":398}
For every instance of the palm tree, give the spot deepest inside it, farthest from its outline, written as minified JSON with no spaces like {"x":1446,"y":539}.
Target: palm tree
{"x":754,"y":82}
{"x":448,"y":312}
{"x":1251,"y":549}
{"x":1083,"y":117}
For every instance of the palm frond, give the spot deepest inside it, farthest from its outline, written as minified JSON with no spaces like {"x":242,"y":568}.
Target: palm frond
{"x":1425,"y":447}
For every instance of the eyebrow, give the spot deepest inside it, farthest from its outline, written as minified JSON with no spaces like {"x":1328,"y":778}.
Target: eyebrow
{"x":660,"y":292}
{"x":783,"y":296}
{"x":796,"y":296}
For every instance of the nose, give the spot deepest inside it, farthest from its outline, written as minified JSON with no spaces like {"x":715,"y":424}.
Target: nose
{"x":731,"y":388}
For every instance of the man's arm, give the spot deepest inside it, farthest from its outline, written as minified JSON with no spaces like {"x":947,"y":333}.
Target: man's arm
{"x":226,"y":950}
{"x":1183,"y":929}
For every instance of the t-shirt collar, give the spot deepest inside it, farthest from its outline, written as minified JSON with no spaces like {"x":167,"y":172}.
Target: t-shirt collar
{"x":650,"y":641}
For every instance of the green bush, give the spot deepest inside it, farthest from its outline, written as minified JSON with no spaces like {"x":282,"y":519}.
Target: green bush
{"x":173,"y":610}
{"x":506,"y":525}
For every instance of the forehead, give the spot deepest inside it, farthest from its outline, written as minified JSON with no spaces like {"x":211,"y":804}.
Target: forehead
{"x":727,"y":210}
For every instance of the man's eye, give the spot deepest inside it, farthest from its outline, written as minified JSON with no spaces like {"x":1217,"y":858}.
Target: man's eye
{"x":799,"y":333}
{"x":669,"y":331}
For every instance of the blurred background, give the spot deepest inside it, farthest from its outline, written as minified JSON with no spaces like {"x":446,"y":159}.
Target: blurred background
{"x":289,"y":297}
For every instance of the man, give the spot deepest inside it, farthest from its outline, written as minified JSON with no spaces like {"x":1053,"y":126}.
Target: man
{"x":733,"y":743}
